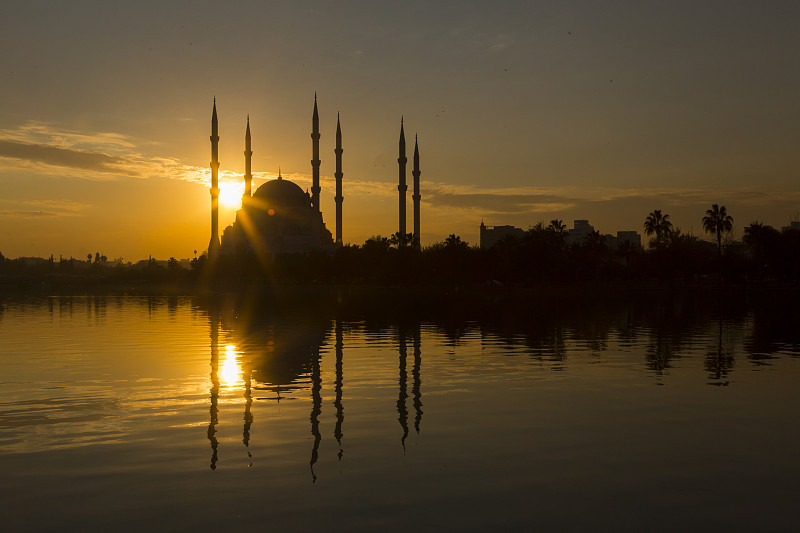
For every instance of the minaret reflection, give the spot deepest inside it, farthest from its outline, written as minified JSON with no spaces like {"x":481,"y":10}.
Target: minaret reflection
{"x":214,"y":409}
{"x":248,"y":415}
{"x":337,"y":432}
{"x":402,"y":411}
{"x":415,"y":373}
{"x":316,"y":410}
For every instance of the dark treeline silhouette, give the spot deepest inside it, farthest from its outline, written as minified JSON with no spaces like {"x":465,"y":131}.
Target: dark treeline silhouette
{"x":540,"y":256}
{"x":543,"y":255}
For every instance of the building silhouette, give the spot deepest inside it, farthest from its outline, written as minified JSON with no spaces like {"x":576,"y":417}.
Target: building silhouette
{"x":491,"y":235}
{"x":213,"y":244}
{"x":580,"y":230}
{"x":279,"y":217}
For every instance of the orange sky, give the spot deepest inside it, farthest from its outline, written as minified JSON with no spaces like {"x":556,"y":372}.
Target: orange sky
{"x":525,"y":111}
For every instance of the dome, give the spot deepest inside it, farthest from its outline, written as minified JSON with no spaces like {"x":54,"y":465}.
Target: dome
{"x":283,"y":193}
{"x":278,"y":218}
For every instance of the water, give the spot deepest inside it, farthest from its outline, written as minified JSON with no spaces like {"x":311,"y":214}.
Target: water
{"x":179,"y":413}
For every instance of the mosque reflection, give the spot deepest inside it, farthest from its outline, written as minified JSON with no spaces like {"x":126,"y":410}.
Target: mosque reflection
{"x":278,"y":352}
{"x":281,"y":353}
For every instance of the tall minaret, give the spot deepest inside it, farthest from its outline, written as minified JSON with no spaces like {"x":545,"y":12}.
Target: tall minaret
{"x":339,"y":198}
{"x":213,"y":245}
{"x":315,"y":154}
{"x":402,"y":187}
{"x":416,"y":197}
{"x":248,"y":154}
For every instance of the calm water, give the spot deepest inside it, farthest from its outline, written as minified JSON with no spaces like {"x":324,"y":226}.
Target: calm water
{"x":179,"y":413}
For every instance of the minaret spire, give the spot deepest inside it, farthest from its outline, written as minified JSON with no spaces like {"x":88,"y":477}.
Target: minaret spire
{"x":339,"y":198}
{"x":416,"y":197}
{"x":315,"y":155}
{"x":213,"y":245}
{"x":402,"y":187}
{"x":248,"y":154}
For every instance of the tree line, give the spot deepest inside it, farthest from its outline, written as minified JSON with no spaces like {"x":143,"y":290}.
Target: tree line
{"x":542,"y":255}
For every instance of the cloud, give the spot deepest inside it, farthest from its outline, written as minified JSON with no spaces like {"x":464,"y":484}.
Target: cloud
{"x":42,"y":209}
{"x":528,"y":200}
{"x":744,"y":195}
{"x":497,"y":202}
{"x":62,"y":157}
{"x":100,"y":156}
{"x":34,"y":132}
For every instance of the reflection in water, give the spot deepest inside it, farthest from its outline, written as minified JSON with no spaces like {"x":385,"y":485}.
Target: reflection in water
{"x":415,"y":372}
{"x":230,"y":370}
{"x":248,"y":415}
{"x":82,"y":392}
{"x":282,"y":353}
{"x":337,"y":432}
{"x":719,"y":362}
{"x":316,"y":410}
{"x":214,"y":409}
{"x":402,"y":411}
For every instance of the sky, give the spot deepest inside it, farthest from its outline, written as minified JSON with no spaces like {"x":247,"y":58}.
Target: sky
{"x":525,"y":111}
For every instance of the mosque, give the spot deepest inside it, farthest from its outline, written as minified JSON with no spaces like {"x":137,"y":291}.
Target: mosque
{"x":279,"y":218}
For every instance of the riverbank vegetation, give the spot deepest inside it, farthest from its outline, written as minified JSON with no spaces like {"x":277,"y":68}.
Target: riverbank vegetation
{"x":542,"y":256}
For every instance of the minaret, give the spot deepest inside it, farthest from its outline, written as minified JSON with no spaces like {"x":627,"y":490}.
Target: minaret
{"x":416,"y":197}
{"x":213,"y":245}
{"x":339,"y":198}
{"x":248,"y":154}
{"x":402,"y":187}
{"x":315,"y":154}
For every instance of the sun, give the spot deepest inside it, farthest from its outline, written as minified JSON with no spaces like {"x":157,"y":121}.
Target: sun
{"x":230,"y":194}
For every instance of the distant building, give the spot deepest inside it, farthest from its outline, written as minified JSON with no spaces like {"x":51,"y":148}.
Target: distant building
{"x":490,"y":235}
{"x":622,"y":237}
{"x":580,"y":229}
{"x":794,"y":225}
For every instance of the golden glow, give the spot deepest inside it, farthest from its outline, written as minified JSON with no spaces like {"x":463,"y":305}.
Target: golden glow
{"x":230,"y":370}
{"x":230,"y":194}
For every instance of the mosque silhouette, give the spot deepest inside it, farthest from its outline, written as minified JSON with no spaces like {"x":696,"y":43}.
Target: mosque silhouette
{"x":279,"y":218}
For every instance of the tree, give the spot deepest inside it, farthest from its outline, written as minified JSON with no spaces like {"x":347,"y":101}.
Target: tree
{"x":376,"y":245}
{"x":401,"y":240}
{"x":454,"y":242}
{"x":762,"y":241}
{"x":557,"y":226}
{"x":658,"y":225}
{"x":717,"y":221}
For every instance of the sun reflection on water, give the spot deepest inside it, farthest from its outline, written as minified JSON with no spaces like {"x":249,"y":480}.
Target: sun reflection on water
{"x":230,"y":371}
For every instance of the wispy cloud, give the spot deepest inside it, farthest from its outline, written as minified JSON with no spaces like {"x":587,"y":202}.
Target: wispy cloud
{"x":41,"y":208}
{"x":520,"y":200}
{"x":100,"y":156}
{"x":62,"y":157}
{"x":510,"y":201}
{"x":106,"y":156}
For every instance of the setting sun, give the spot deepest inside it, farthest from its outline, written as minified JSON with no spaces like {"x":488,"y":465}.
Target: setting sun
{"x":230,"y":194}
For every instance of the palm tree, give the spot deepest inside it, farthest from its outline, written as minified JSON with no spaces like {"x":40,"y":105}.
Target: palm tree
{"x":557,"y":226}
{"x":717,"y":221}
{"x":454,"y":242}
{"x":401,"y":240}
{"x":658,"y":225}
